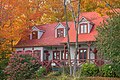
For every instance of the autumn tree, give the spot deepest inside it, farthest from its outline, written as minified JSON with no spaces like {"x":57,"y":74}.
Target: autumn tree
{"x":15,"y":19}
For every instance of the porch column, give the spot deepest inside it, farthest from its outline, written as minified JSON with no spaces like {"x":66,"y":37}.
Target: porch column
{"x":64,"y":51}
{"x":42,"y":53}
{"x":23,"y":50}
{"x":88,"y":50}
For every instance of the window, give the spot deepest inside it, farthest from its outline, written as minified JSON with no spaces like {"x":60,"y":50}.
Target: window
{"x":46,"y":55}
{"x":56,"y":55}
{"x":64,"y":56}
{"x":83,"y":28}
{"x":28,"y":51}
{"x":35,"y":35}
{"x":60,"y":32}
{"x":83,"y":54}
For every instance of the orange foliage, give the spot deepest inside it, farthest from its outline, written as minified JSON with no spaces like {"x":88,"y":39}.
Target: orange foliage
{"x":16,"y":16}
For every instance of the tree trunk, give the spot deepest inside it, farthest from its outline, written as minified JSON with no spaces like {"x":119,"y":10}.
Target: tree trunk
{"x":76,"y":45}
{"x":68,"y":40}
{"x":76,"y":52}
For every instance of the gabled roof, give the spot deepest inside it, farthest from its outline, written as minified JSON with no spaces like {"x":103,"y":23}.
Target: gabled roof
{"x":48,"y":38}
{"x":92,"y":17}
{"x":62,"y":24}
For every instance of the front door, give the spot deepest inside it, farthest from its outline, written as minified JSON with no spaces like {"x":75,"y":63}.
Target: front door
{"x":83,"y":55}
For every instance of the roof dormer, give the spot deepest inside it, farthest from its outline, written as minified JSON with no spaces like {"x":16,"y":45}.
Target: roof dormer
{"x":59,"y":30}
{"x":85,"y":26}
{"x":36,"y":33}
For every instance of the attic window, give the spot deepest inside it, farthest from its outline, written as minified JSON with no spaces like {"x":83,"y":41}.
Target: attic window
{"x":35,"y":35}
{"x":83,"y":28}
{"x":60,"y":32}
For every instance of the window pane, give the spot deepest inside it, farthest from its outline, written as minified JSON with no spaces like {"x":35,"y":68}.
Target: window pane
{"x":80,"y":55}
{"x":60,"y":32}
{"x":84,"y":50}
{"x":81,"y":50}
{"x":34,"y":35}
{"x":85,"y":55}
{"x":85,"y":28}
{"x":81,"y":28}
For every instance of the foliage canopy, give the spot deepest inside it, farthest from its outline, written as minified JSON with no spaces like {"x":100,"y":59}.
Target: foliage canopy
{"x":108,"y":39}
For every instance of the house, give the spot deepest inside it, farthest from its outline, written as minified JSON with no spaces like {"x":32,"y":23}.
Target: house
{"x":49,"y":41}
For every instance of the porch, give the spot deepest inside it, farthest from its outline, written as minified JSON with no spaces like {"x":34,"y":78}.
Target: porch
{"x":57,"y":56}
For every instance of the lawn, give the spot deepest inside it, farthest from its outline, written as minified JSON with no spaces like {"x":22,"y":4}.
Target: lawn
{"x":71,"y":78}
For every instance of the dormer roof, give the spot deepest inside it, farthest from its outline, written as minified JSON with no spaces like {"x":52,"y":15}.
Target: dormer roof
{"x":37,"y":28}
{"x":84,"y":19}
{"x":62,"y":25}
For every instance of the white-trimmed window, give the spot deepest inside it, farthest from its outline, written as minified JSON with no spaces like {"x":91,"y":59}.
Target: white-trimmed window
{"x":35,"y":35}
{"x":83,"y":28}
{"x":60,"y":32}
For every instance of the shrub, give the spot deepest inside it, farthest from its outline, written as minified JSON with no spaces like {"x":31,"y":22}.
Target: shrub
{"x":21,"y":66}
{"x":89,"y":69}
{"x":117,"y":70}
{"x":63,"y":77}
{"x":41,"y":71}
{"x":4,"y":58}
{"x":65,"y":69}
{"x":110,"y":70}
{"x":57,"y":73}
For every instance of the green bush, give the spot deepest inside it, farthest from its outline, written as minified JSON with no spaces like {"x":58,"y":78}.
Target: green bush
{"x":63,"y":77}
{"x":89,"y":69}
{"x":41,"y":71}
{"x":2,"y":75}
{"x":4,"y":58}
{"x":65,"y":69}
{"x":110,"y":70}
{"x":117,"y":70}
{"x":56,"y":73}
{"x":107,"y":70}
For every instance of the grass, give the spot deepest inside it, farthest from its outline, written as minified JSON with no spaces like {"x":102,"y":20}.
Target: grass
{"x":56,"y":76}
{"x":72,"y":78}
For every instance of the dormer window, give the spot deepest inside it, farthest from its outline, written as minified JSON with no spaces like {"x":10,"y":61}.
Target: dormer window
{"x":60,"y":32}
{"x":83,"y":28}
{"x":35,"y":35}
